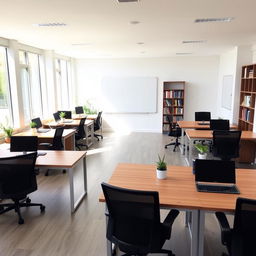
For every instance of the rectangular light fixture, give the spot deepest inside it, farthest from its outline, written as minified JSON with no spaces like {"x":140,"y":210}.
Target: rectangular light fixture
{"x":127,"y":1}
{"x":225,"y":19}
{"x":183,"y":53}
{"x":194,"y":41}
{"x":52,"y":24}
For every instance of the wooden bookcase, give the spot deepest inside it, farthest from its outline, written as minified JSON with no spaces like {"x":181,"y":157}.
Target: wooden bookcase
{"x":173,"y":102}
{"x":247,"y":98}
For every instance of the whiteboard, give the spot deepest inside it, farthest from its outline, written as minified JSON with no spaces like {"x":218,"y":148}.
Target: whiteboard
{"x":227,"y":91}
{"x":129,"y":94}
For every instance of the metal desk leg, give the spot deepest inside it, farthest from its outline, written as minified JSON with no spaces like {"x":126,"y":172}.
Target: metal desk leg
{"x":201,"y":233}
{"x":191,"y":143}
{"x":182,"y":141}
{"x":74,"y":204}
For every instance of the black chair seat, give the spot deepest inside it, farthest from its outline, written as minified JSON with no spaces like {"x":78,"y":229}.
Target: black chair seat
{"x":174,"y":131}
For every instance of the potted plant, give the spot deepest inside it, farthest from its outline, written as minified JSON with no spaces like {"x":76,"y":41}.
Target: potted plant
{"x":62,"y":116}
{"x":8,"y":131}
{"x":202,"y":150}
{"x":33,"y":126}
{"x":161,"y":168}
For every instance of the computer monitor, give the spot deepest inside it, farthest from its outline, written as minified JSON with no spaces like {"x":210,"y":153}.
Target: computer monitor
{"x":219,"y":124}
{"x":56,"y":116}
{"x":24,"y":143}
{"x":37,"y":121}
{"x":68,"y":114}
{"x":202,"y":116}
{"x":79,"y":110}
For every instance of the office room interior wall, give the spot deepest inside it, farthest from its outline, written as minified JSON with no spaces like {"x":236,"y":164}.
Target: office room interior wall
{"x":200,"y":74}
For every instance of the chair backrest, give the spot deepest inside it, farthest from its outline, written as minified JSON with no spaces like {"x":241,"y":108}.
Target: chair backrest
{"x":80,"y":129}
{"x":17,"y":176}
{"x":56,"y":116}
{"x":244,"y":228}
{"x":57,"y":139}
{"x":97,"y":123}
{"x":37,"y":121}
{"x":68,"y":114}
{"x":219,"y":124}
{"x":134,"y":217}
{"x":79,"y":110}
{"x":174,"y":130}
{"x":226,"y":144}
{"x":202,"y":116}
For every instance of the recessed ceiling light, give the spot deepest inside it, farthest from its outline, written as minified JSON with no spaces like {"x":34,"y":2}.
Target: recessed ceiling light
{"x":52,"y":24}
{"x":183,"y":53}
{"x":225,"y":19}
{"x":134,"y":22}
{"x":142,"y":52}
{"x":194,"y":41}
{"x":140,"y":43}
{"x":127,"y":1}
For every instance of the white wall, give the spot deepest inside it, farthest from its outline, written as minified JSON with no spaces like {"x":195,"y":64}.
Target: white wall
{"x":200,"y":74}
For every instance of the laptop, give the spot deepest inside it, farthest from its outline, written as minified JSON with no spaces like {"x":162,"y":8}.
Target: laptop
{"x":215,"y":176}
{"x":39,"y":125}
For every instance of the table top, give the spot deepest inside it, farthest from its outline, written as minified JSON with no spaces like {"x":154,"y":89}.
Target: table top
{"x":74,"y":123}
{"x":179,"y":190}
{"x":61,"y":158}
{"x":207,"y":134}
{"x":196,"y":125}
{"x":88,"y":117}
{"x":46,"y":135}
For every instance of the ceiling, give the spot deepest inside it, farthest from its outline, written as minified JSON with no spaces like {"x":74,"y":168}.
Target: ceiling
{"x":102,"y":28}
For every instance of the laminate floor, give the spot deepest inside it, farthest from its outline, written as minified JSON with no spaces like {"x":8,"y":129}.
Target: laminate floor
{"x":57,"y":233}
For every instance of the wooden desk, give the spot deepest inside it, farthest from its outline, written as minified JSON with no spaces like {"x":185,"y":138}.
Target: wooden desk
{"x":73,"y":161}
{"x":179,"y":191}
{"x":247,"y":144}
{"x":88,"y":128}
{"x":88,"y":117}
{"x":68,"y":137}
{"x":184,"y":125}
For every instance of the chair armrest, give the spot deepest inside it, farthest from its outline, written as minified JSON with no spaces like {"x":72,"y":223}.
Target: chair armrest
{"x":170,"y":218}
{"x":224,"y":227}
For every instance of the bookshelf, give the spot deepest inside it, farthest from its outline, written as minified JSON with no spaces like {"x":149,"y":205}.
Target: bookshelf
{"x":247,"y":97}
{"x":173,"y":102}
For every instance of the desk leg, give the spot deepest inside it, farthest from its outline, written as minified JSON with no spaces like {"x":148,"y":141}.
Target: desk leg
{"x":182,"y":141}
{"x":74,"y":204}
{"x":190,"y":143}
{"x":201,"y":233}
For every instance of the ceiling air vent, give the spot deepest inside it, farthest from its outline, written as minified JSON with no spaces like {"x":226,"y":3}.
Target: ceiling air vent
{"x":225,"y":19}
{"x":194,"y":41}
{"x":52,"y":24}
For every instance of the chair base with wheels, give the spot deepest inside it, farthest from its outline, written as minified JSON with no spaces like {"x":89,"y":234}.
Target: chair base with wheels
{"x":16,"y":205}
{"x":97,"y":136}
{"x":176,"y":144}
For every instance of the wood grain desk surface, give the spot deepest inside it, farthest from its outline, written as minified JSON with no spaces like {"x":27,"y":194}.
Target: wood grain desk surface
{"x":179,"y":190}
{"x":62,"y":158}
{"x":46,"y":135}
{"x":88,"y":117}
{"x":74,"y":123}
{"x":207,"y":134}
{"x":196,"y":125}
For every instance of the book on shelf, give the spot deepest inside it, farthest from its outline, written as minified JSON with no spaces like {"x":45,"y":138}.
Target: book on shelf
{"x":250,"y":74}
{"x":174,"y":94}
{"x":246,"y":114}
{"x":247,"y":101}
{"x":245,"y":72}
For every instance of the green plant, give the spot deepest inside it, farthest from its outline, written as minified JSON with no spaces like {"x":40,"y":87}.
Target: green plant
{"x":202,"y":149}
{"x":33,"y":125}
{"x":161,"y":164}
{"x":89,"y":110}
{"x":62,"y":114}
{"x":8,"y":131}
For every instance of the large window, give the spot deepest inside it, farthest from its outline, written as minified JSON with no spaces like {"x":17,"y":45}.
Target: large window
{"x":63,"y":84}
{"x":5,"y":99}
{"x":31,"y":85}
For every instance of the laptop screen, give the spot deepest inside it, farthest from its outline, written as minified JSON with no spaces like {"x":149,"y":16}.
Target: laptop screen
{"x":219,"y":171}
{"x":79,"y":110}
{"x":38,"y":122}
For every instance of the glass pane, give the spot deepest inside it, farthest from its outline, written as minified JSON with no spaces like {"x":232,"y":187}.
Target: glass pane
{"x":35,"y":85}
{"x":25,"y":94}
{"x":64,"y":85}
{"x":5,"y":106}
{"x":22,"y":57}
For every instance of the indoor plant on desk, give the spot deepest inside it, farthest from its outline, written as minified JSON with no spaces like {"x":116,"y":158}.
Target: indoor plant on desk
{"x":33,"y":126}
{"x":161,"y":168}
{"x":202,"y":150}
{"x":62,"y":116}
{"x":8,"y":131}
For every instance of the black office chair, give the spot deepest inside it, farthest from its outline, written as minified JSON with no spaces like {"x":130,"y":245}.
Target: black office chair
{"x":80,"y":134}
{"x":134,"y":221}
{"x":240,"y":240}
{"x":56,"y":116}
{"x":97,"y":126}
{"x":219,"y":124}
{"x":174,"y":131}
{"x":17,"y":180}
{"x":55,"y":145}
{"x":226,"y":144}
{"x":202,"y":116}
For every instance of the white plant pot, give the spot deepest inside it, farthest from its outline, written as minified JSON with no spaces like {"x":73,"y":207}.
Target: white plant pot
{"x":161,"y":174}
{"x":202,"y":156}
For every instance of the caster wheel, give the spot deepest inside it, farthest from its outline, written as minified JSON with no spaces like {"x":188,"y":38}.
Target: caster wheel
{"x":64,"y":171}
{"x":42,"y":208}
{"x":21,"y":221}
{"x":1,"y":208}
